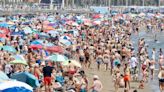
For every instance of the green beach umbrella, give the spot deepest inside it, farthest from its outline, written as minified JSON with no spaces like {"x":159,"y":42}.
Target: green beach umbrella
{"x":18,"y":62}
{"x":9,"y":49}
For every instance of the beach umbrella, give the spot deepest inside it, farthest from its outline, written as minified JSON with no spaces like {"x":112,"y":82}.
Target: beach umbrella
{"x":19,"y":57}
{"x":2,"y":35}
{"x":4,"y":24}
{"x":43,"y":35}
{"x":16,"y":34}
{"x":5,"y":30}
{"x":65,"y":42}
{"x":69,"y":22}
{"x":36,"y":42}
{"x":72,"y":62}
{"x":27,"y":30}
{"x":142,"y":14}
{"x":48,"y":28}
{"x":19,"y":62}
{"x":97,"y":22}
{"x":57,"y":58}
{"x":65,"y":37}
{"x":46,"y":22}
{"x":1,"y":31}
{"x":10,"y":23}
{"x":75,"y":24}
{"x":2,"y":39}
{"x":52,"y":24}
{"x":3,"y":76}
{"x":13,"y":27}
{"x":132,"y":15}
{"x":15,"y":86}
{"x":26,"y":77}
{"x":96,"y":16}
{"x":35,"y":31}
{"x":49,"y":44}
{"x":26,"y":23}
{"x":35,"y":47}
{"x":9,"y":49}
{"x":53,"y":33}
{"x":2,"y":18}
{"x":51,"y":19}
{"x":57,"y":49}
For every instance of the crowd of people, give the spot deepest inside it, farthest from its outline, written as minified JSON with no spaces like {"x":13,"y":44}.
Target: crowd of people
{"x":104,"y":40}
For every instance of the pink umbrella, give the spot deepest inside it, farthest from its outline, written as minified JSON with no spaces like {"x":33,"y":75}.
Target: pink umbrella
{"x":57,"y":49}
{"x":87,"y":22}
{"x":69,"y":22}
{"x":46,"y":22}
{"x":97,"y":22}
{"x":2,"y":35}
{"x":96,"y":16}
{"x":36,"y":47}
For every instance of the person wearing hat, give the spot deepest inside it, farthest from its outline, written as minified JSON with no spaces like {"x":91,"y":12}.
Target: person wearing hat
{"x":97,"y":85}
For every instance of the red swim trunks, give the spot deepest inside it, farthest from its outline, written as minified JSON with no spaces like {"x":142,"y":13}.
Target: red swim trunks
{"x":47,"y":80}
{"x":126,"y":78}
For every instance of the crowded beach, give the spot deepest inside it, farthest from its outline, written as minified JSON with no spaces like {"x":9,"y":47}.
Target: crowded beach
{"x":53,"y":52}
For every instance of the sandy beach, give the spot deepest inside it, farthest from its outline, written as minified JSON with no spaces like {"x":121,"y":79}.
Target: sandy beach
{"x":107,"y":82}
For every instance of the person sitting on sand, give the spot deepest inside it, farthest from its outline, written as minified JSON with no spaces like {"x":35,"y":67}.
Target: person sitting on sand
{"x":141,"y":85}
{"x":97,"y":85}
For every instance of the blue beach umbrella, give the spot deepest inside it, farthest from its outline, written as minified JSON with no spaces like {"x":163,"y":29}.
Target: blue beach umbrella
{"x":65,"y":37}
{"x":2,"y":39}
{"x":43,"y":35}
{"x":26,"y":77}
{"x":37,"y":42}
{"x":65,"y":42}
{"x":49,"y":44}
{"x":26,"y":23}
{"x":16,"y":34}
{"x":4,"y":24}
{"x":19,"y":57}
{"x":15,"y":86}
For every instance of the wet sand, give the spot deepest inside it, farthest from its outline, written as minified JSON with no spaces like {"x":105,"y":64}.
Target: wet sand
{"x":107,"y":82}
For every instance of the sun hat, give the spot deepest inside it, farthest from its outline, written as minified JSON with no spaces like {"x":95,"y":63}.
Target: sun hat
{"x":96,"y":77}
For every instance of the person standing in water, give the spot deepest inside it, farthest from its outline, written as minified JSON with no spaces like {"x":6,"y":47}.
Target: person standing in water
{"x":153,"y":53}
{"x":152,"y":67}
